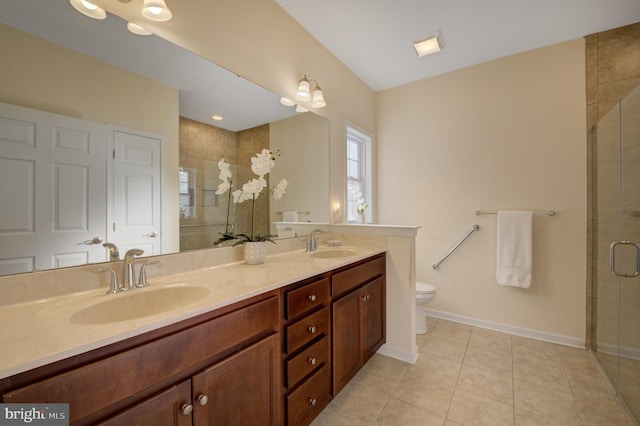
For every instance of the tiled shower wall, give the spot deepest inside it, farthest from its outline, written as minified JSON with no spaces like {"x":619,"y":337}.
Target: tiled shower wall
{"x":201,"y":147}
{"x":613,"y":70}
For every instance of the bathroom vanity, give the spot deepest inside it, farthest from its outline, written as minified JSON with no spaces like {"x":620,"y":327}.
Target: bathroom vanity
{"x":278,"y":355}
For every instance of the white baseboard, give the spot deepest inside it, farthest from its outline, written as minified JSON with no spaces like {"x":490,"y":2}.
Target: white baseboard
{"x":624,"y":352}
{"x":392,"y":352}
{"x":510,"y":329}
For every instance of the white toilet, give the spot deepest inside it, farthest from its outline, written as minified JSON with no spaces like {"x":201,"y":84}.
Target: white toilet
{"x":424,"y":294}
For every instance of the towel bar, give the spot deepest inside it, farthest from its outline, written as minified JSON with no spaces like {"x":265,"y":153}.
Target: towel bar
{"x":549,"y":213}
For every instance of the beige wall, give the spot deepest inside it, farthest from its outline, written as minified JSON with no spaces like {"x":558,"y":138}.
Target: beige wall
{"x":507,"y":134}
{"x":41,"y":75}
{"x":304,"y":164}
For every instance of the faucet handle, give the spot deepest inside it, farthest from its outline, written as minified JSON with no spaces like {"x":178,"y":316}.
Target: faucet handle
{"x":114,"y":286}
{"x":142,"y":279}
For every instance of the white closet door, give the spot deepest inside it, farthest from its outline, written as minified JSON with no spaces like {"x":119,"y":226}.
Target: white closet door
{"x":52,"y":190}
{"x":136,"y":214}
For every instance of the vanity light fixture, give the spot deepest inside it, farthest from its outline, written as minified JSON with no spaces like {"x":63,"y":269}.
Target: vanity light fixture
{"x":300,"y":108}
{"x":303,"y":90}
{"x":303,"y":93}
{"x":429,"y":45}
{"x":88,"y":9}
{"x":156,"y":10}
{"x":137,"y":29}
{"x":318,"y":98}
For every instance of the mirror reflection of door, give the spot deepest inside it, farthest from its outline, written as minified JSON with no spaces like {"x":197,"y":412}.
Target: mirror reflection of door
{"x":53,"y":176}
{"x":52,"y":179}
{"x":136,"y":205}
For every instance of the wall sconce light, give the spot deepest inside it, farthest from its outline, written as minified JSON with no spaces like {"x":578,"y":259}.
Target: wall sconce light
{"x":336,"y":212}
{"x":156,"y":10}
{"x":303,"y":93}
{"x":88,"y":9}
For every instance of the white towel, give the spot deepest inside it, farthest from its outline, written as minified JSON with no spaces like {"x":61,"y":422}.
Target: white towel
{"x":290,"y":216}
{"x":515,"y":252}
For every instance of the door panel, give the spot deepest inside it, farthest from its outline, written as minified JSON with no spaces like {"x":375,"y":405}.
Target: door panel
{"x":136,"y":216}
{"x":52,"y":185}
{"x":242,"y":389}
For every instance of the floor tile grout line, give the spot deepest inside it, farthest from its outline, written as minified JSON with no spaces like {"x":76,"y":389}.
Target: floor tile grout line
{"x":455,"y":386}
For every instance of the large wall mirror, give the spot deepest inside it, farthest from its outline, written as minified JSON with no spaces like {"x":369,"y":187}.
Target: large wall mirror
{"x":59,"y":61}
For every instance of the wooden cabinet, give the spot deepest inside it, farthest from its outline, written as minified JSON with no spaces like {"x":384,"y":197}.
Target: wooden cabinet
{"x":231,"y":358}
{"x":306,"y":349}
{"x":358,"y":318}
{"x":243,"y":389}
{"x":168,"y":408}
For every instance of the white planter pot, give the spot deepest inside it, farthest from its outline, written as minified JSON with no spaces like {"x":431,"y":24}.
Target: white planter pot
{"x":360,"y":218}
{"x":255,"y":252}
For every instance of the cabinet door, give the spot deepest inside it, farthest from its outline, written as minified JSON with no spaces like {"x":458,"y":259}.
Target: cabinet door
{"x":164,"y":409}
{"x":373,"y":317}
{"x":242,"y":389}
{"x":347,"y":353}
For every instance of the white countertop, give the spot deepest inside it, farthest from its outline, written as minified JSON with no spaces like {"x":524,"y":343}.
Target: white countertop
{"x":41,"y":332}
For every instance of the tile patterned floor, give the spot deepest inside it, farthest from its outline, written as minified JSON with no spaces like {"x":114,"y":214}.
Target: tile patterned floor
{"x":472,"y":376}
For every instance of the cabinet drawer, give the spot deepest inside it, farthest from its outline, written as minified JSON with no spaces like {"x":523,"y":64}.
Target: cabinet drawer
{"x":116,"y":378}
{"x":304,"y":404}
{"x":307,"y":329}
{"x":343,"y":282}
{"x":306,"y":361}
{"x":306,"y":298}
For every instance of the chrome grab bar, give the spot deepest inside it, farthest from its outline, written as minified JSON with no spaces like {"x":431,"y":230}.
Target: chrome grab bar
{"x":612,"y":258}
{"x":473,"y":229}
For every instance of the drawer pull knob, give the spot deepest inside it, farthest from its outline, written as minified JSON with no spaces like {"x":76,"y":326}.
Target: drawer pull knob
{"x":312,"y":329}
{"x":312,"y":360}
{"x":313,"y":402}
{"x":366,"y":297}
{"x":187,"y":409}
{"x":312,"y":297}
{"x":202,"y":399}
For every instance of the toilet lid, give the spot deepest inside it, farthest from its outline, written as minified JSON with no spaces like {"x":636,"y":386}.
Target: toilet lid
{"x":424,"y":288}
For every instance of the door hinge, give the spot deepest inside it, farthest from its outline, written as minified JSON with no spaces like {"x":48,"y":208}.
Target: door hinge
{"x":114,"y":227}
{"x":113,"y":153}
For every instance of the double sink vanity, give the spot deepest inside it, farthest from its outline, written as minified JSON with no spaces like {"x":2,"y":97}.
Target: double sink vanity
{"x":230,"y":344}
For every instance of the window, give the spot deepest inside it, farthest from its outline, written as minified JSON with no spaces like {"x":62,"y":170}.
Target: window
{"x":359,"y":174}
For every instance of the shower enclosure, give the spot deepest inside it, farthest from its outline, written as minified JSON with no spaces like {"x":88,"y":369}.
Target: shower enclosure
{"x":617,"y":341}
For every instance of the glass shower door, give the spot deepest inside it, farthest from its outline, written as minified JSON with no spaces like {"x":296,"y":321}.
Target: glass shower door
{"x":618,"y":277}
{"x":629,"y":365}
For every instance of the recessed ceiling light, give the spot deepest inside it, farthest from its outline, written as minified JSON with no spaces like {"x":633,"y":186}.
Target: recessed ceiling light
{"x":287,"y":102}
{"x":429,"y":45}
{"x":137,"y":29}
{"x":216,"y":117}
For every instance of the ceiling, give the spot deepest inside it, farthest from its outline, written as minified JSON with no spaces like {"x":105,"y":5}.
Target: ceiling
{"x":205,"y":88}
{"x":373,"y":37}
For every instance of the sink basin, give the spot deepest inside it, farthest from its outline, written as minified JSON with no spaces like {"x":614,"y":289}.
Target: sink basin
{"x":138,"y":304}
{"x":335,"y":253}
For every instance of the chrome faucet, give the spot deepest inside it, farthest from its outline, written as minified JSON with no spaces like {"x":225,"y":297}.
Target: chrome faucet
{"x":128,"y":269}
{"x":312,"y":243}
{"x":114,"y":254}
